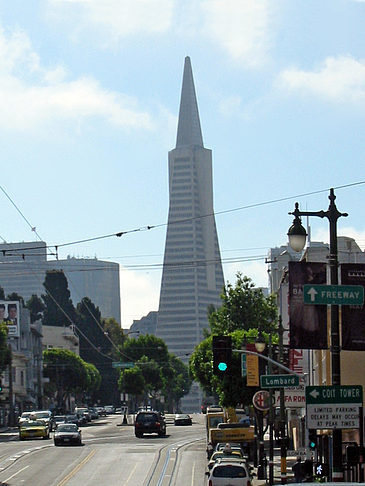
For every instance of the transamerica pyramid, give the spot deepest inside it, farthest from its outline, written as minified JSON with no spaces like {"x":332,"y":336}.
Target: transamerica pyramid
{"x":192,"y":277}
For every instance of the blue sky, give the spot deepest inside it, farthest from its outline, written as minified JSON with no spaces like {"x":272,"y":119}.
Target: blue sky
{"x":89,"y":98}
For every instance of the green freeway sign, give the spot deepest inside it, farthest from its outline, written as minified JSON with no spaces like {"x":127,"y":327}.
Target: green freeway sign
{"x":333,"y":294}
{"x":117,"y":364}
{"x":278,"y":381}
{"x":333,"y":394}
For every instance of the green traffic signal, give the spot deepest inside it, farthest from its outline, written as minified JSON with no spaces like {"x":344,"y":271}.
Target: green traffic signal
{"x":222,"y":366}
{"x":222,"y":355}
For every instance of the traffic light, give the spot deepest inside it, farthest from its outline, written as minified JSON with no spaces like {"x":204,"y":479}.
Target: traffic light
{"x":1,"y":386}
{"x":312,"y":439}
{"x":222,"y":355}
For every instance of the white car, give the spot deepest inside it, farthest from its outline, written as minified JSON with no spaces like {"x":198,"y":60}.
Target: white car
{"x":229,"y":472}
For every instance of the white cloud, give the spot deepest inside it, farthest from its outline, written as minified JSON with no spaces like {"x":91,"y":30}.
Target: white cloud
{"x":140,"y":293}
{"x":31,"y":95}
{"x":340,"y":79}
{"x":115,"y":19}
{"x":241,"y":27}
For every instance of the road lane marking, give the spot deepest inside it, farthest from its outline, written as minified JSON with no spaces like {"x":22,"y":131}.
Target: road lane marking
{"x":15,"y":474}
{"x":76,"y":469}
{"x":131,"y":473}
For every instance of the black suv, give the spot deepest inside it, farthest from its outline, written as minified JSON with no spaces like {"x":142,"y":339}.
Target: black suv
{"x":148,"y":423}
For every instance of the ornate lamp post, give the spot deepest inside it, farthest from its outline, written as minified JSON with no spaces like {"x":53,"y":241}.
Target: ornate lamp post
{"x":297,"y":237}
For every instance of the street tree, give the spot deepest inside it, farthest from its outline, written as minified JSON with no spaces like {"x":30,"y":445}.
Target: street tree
{"x":131,"y":381}
{"x":176,"y":382}
{"x":59,"y":310}
{"x":95,"y":347}
{"x":16,"y":297}
{"x":245,"y":312}
{"x":5,"y":353}
{"x":67,"y":374}
{"x":36,"y":307}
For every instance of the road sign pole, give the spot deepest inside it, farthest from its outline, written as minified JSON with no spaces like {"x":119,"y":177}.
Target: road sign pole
{"x":332,"y":214}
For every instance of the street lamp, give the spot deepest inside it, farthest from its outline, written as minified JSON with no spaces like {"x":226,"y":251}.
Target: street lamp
{"x":297,"y":237}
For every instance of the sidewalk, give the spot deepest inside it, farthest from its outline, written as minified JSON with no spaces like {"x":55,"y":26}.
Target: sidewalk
{"x":290,"y":460}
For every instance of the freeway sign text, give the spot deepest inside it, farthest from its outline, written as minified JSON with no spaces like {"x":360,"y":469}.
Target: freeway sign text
{"x":278,"y":381}
{"x":333,"y":294}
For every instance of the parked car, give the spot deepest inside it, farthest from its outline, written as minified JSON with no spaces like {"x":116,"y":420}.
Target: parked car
{"x":149,"y":423}
{"x":31,"y":429}
{"x":67,"y":434}
{"x":110,"y":409}
{"x":182,"y":419}
{"x":232,"y":472}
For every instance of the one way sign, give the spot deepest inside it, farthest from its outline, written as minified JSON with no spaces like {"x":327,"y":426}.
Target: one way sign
{"x":333,"y":294}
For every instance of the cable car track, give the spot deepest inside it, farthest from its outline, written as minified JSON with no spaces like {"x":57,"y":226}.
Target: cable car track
{"x":165,"y":467}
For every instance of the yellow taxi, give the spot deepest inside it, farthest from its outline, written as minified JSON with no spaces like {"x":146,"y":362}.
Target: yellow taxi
{"x":33,"y":429}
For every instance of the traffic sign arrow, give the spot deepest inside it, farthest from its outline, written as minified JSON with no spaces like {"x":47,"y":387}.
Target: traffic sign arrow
{"x":314,"y":393}
{"x":312,"y":293}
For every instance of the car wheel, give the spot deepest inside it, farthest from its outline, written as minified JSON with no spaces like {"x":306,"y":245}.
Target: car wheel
{"x":21,"y":438}
{"x":139,"y":434}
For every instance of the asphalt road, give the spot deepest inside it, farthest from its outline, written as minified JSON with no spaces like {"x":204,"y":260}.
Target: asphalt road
{"x":110,"y":455}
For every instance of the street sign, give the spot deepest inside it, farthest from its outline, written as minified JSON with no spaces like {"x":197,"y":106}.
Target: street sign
{"x":118,"y":364}
{"x":261,"y":400}
{"x":333,"y":407}
{"x":278,"y":381}
{"x":333,"y":294}
{"x":293,"y":398}
{"x":334,"y":394}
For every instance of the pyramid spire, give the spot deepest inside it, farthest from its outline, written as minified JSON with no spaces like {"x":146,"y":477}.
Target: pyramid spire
{"x":188,"y":130}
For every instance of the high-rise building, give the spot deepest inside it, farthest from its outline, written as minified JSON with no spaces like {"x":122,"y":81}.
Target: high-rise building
{"x":23,"y":269}
{"x":192,"y":277}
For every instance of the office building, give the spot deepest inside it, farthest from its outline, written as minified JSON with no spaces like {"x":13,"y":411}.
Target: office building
{"x":192,"y":276}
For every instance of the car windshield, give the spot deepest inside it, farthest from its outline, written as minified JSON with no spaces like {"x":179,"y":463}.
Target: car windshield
{"x":33,"y":423}
{"x":26,"y":414}
{"x":41,"y":414}
{"x":59,"y":418}
{"x":146,"y":417}
{"x":229,"y":471}
{"x":67,"y":428}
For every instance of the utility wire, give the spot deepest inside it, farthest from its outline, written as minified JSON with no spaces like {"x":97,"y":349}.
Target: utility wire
{"x":182,"y":221}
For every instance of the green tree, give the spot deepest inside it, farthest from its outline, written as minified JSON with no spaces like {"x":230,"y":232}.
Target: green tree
{"x":67,"y":373}
{"x":36,"y":308}
{"x":95,"y":348}
{"x":176,"y":382}
{"x":163,"y":373}
{"x":59,"y":310}
{"x":115,"y":333}
{"x":131,"y":381}
{"x":15,"y":296}
{"x":244,"y":312}
{"x":5,"y":355}
{"x":2,"y":294}
{"x":94,"y":377}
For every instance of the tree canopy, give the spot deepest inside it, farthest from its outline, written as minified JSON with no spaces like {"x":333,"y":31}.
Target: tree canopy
{"x":68,"y":374}
{"x":244,"y":312}
{"x":159,"y":373}
{"x":59,"y":310}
